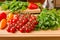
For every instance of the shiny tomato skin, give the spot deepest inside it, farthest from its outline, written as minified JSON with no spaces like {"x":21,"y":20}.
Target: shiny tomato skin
{"x":21,"y":30}
{"x":28,"y":30}
{"x":13,"y":30}
{"x":8,"y":29}
{"x":25,"y":21}
{"x":3,"y":15}
{"x":33,"y":6}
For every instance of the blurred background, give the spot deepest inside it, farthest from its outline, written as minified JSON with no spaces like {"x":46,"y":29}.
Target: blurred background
{"x":51,"y":3}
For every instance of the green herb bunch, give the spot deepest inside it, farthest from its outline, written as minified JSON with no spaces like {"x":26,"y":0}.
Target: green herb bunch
{"x":48,"y":19}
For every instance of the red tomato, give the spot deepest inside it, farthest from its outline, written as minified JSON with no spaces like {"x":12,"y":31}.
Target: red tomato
{"x":18,"y":27}
{"x":32,"y":26}
{"x":0,"y":17}
{"x":22,"y":30}
{"x":8,"y":29}
{"x":13,"y":30}
{"x":33,"y":6}
{"x":3,"y":15}
{"x":25,"y":21}
{"x":28,"y":30}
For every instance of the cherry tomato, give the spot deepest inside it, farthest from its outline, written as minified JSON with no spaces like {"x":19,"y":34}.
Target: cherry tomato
{"x":30,"y":20}
{"x":13,"y":30}
{"x":25,"y":21}
{"x":28,"y":30}
{"x":21,"y":30}
{"x":26,"y":25}
{"x":32,"y":26}
{"x":18,"y":27}
{"x":14,"y":20}
{"x":13,"y":24}
{"x":8,"y":29}
{"x":33,"y":17}
{"x":18,"y":22}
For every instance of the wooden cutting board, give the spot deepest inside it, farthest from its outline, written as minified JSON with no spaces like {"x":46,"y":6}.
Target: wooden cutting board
{"x":41,"y":33}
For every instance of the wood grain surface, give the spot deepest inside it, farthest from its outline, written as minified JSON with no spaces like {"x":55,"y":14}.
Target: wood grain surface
{"x":41,"y":33}
{"x":30,"y":38}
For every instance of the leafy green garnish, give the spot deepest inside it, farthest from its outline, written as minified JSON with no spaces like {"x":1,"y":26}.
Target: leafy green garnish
{"x":48,"y":19}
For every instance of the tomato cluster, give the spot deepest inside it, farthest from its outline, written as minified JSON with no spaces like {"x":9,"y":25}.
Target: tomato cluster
{"x":23,"y":23}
